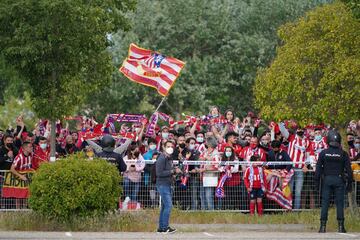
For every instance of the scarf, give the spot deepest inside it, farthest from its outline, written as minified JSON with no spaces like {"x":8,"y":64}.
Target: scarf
{"x":220,"y":192}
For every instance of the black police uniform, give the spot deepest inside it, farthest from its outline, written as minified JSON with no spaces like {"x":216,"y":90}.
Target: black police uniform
{"x":108,"y":143}
{"x":113,"y":158}
{"x":334,"y":170}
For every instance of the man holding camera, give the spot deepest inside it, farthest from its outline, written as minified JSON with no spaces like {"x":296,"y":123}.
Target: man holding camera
{"x":164,"y":179}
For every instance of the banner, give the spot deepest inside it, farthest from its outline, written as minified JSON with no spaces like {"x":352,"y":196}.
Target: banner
{"x":151,"y":69}
{"x":13,"y":187}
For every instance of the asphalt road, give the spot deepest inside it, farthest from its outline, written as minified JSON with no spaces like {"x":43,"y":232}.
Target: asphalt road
{"x":178,"y":235}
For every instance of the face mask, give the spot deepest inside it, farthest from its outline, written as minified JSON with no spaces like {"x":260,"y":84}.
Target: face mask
{"x":200,"y":139}
{"x":214,"y":115}
{"x":165,"y":135}
{"x":169,"y":150}
{"x":90,"y":154}
{"x":351,"y":142}
{"x":152,"y":147}
{"x":357,"y":145}
{"x":228,"y":154}
{"x":182,"y":145}
{"x":43,"y":146}
{"x":192,"y":146}
{"x":264,"y":143}
{"x":9,"y":145}
{"x":253,"y":145}
{"x":300,"y":134}
{"x":318,"y":137}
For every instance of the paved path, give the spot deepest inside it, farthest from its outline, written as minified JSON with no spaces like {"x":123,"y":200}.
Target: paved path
{"x":263,"y":235}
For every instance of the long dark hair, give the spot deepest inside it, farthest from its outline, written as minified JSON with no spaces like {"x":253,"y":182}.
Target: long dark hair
{"x":232,"y":157}
{"x":130,"y":149}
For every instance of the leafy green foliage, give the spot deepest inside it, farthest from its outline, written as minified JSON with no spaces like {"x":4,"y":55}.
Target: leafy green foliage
{"x":75,"y":187}
{"x":13,"y":108}
{"x":59,"y":47}
{"x":354,"y":5}
{"x":316,"y":74}
{"x":222,"y":42}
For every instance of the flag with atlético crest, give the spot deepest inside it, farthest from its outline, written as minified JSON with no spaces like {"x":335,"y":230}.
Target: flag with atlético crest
{"x":151,"y":69}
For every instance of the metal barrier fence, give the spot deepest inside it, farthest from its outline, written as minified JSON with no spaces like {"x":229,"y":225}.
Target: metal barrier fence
{"x":190,"y":193}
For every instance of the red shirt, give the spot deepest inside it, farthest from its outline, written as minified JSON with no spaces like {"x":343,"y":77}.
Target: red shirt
{"x":237,"y":148}
{"x":256,"y":178}
{"x":40,"y":156}
{"x":247,"y":152}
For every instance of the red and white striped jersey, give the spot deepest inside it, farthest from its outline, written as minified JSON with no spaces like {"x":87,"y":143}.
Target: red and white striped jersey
{"x":247,"y":152}
{"x":299,"y":150}
{"x":200,"y":147}
{"x":352,"y":153}
{"x":214,"y":156}
{"x":318,"y":146}
{"x":22,"y":162}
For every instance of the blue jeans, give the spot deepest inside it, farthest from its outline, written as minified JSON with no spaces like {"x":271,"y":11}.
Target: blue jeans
{"x":166,"y":205}
{"x":131,"y":189}
{"x":298,"y":180}
{"x":207,"y":198}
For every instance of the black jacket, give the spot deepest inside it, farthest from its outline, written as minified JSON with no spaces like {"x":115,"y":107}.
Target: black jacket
{"x":5,"y":161}
{"x":164,"y":167}
{"x":280,"y":156}
{"x":113,"y":158}
{"x":333,"y":161}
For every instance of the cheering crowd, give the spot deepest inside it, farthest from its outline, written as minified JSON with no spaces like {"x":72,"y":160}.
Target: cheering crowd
{"x":213,"y":140}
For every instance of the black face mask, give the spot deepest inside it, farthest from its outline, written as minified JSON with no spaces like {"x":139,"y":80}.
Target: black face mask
{"x":351,"y":143}
{"x":9,"y":145}
{"x":300,"y":134}
{"x":182,"y":145}
{"x":69,"y":145}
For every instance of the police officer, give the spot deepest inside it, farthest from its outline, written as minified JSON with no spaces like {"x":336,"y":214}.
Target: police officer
{"x":334,"y":170}
{"x":108,"y":144}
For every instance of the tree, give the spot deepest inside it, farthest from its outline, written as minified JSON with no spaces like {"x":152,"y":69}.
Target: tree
{"x":59,"y":48}
{"x":316,"y":73}
{"x":354,"y":5}
{"x":222,"y":42}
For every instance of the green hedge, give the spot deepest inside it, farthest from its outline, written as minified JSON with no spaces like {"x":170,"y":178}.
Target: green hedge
{"x":75,"y":187}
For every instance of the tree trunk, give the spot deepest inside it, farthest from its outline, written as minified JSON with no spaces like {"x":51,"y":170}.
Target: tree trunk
{"x":52,"y":141}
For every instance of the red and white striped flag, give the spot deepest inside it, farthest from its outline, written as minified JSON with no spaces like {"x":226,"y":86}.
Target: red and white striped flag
{"x":151,"y":69}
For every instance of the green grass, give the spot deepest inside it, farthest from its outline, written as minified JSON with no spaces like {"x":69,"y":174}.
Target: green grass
{"x":147,"y":221}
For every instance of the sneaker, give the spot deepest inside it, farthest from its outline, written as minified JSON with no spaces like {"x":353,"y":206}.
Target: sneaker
{"x":160,"y":230}
{"x":169,"y":230}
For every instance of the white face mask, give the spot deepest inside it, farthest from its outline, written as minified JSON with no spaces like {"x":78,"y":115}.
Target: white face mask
{"x":43,"y":146}
{"x":152,"y":147}
{"x":165,"y":135}
{"x":169,"y":150}
{"x":200,"y":139}
{"x":191,"y":146}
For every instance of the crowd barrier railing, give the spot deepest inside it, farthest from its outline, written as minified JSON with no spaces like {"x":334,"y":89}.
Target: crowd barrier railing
{"x":190,"y":193}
